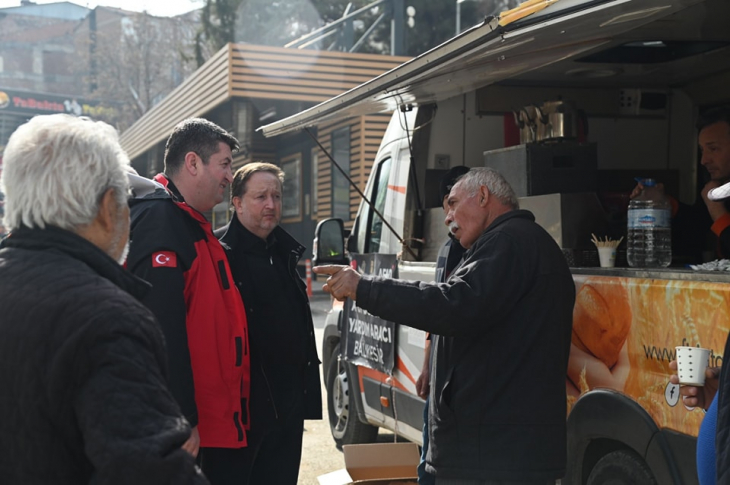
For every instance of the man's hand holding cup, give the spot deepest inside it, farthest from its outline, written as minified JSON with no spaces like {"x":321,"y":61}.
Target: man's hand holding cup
{"x":698,"y":382}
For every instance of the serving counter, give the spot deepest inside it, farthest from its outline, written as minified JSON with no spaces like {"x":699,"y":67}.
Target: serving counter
{"x":657,"y":274}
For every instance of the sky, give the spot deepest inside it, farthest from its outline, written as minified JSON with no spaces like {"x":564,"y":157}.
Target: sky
{"x":161,"y":8}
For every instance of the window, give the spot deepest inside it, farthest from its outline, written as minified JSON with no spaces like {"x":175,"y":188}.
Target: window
{"x":244,"y":126}
{"x":221,"y":214}
{"x":340,"y":184}
{"x":291,"y":207}
{"x":315,"y":181}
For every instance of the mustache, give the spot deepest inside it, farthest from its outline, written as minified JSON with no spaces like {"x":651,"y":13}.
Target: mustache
{"x":453,"y":227}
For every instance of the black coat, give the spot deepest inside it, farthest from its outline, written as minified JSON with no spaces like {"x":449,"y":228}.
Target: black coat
{"x":84,"y":397}
{"x":501,"y":328}
{"x":722,"y":436}
{"x":692,"y":233}
{"x":284,"y":362}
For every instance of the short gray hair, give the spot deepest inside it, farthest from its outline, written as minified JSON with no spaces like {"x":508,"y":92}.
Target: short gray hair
{"x":56,"y":168}
{"x":495,"y":183}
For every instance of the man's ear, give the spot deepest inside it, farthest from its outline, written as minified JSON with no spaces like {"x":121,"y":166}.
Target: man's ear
{"x":237,"y":204}
{"x":483,"y":195}
{"x":108,"y":214}
{"x":101,"y":229}
{"x":192,"y":163}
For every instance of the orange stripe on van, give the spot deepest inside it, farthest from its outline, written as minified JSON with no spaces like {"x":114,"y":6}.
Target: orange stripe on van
{"x":379,"y":377}
{"x":397,"y":188}
{"x":373,"y":374}
{"x":402,"y":367}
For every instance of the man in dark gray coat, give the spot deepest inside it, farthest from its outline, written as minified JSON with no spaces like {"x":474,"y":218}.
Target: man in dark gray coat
{"x":502,"y":324}
{"x":83,"y":396}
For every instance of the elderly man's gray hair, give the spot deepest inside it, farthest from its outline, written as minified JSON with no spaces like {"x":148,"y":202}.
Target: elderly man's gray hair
{"x":495,"y":183}
{"x":56,"y":168}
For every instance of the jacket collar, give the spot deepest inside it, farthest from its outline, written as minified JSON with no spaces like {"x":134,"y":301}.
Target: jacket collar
{"x":170,"y":187}
{"x":513,"y":214}
{"x":507,"y":216}
{"x":250,"y":242}
{"x":75,"y":246}
{"x":177,"y":197}
{"x":235,"y":235}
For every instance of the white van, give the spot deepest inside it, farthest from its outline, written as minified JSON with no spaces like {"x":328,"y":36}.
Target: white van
{"x":633,"y":75}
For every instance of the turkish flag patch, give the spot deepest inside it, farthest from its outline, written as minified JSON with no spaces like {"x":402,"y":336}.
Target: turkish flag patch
{"x":167,"y":259}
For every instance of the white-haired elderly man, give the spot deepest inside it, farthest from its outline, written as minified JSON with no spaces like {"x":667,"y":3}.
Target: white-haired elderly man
{"x":82,"y":361}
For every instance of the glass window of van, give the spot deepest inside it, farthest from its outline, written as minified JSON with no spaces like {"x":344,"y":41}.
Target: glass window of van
{"x":380,"y":193}
{"x":369,"y":227}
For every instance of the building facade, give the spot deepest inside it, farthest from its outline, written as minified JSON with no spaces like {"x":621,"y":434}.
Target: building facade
{"x":245,"y":86}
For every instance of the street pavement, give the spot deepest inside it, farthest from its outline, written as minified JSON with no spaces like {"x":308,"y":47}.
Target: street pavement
{"x":319,"y":453}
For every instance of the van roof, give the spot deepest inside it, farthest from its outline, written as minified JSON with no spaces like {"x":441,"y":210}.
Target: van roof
{"x":561,"y":45}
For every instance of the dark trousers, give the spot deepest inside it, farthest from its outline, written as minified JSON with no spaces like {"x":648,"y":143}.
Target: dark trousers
{"x":271,"y":458}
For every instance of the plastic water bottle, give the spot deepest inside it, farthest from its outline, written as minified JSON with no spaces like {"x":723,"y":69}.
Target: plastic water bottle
{"x":649,"y":241}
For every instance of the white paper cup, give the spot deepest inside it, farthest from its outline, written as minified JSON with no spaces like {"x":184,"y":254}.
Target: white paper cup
{"x":691,"y":365}
{"x":607,"y":257}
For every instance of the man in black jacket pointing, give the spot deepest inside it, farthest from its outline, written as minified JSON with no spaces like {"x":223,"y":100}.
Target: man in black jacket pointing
{"x":501,"y":327}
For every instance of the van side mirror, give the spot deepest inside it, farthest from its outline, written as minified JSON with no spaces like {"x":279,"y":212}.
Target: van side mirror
{"x":329,"y":243}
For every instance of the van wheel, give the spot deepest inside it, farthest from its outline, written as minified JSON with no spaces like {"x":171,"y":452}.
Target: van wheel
{"x":622,"y":467}
{"x":346,"y":428}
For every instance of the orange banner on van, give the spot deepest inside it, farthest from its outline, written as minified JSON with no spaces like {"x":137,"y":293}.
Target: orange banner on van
{"x":625,"y":331}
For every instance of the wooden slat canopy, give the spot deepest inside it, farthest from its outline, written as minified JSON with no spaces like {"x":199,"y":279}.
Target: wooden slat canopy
{"x":252,"y":71}
{"x":365,"y":136}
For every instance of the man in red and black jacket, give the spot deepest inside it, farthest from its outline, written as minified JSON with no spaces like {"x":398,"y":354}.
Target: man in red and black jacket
{"x":193,"y":295}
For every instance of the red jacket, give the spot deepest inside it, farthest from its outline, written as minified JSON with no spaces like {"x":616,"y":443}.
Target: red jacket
{"x":200,"y":311}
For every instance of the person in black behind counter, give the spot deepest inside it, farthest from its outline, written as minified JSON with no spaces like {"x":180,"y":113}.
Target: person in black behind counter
{"x":690,"y":223}
{"x":501,"y":325}
{"x":285,"y":383}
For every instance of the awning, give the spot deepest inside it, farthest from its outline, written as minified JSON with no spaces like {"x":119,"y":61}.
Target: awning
{"x":536,"y":34}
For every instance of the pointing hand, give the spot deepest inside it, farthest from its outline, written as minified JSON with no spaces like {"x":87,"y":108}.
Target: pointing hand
{"x":342,"y":282}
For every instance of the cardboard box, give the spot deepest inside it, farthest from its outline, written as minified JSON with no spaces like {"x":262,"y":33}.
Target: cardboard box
{"x":376,"y":464}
